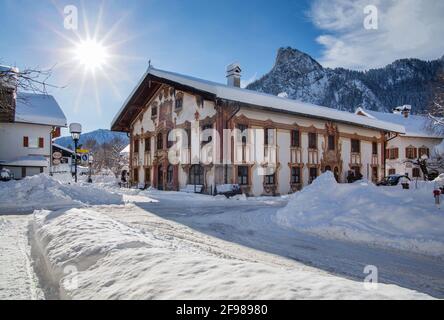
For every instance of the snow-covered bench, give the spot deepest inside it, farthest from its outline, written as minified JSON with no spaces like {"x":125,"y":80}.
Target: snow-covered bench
{"x":191,"y":188}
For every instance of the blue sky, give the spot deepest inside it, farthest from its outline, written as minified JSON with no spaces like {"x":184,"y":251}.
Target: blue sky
{"x":199,"y":38}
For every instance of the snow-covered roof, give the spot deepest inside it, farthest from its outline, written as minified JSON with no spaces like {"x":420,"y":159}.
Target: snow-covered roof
{"x":27,"y":161}
{"x":415,"y":125}
{"x":62,"y":148}
{"x":263,"y":100}
{"x":39,"y":109}
{"x":126,"y":150}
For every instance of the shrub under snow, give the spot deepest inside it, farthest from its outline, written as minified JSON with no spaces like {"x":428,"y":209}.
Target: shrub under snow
{"x":363,"y":212}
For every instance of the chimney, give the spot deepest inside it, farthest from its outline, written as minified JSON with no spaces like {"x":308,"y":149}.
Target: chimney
{"x":233,"y":75}
{"x":404,"y":110}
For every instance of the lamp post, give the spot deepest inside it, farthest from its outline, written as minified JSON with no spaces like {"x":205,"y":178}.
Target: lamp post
{"x":90,"y":161}
{"x":75,"y":129}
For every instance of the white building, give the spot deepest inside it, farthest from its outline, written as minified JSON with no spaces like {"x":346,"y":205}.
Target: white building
{"x":403,"y":149}
{"x":295,"y":142}
{"x":25,"y":142}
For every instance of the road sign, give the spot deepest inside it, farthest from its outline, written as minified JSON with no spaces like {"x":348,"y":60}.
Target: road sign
{"x":56,"y":162}
{"x":85,"y":157}
{"x":82,"y":151}
{"x":56,"y":155}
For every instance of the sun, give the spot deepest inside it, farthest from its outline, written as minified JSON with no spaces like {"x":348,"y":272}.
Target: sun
{"x":91,"y":54}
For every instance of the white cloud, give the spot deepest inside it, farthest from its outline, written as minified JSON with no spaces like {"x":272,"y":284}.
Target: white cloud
{"x":406,"y":29}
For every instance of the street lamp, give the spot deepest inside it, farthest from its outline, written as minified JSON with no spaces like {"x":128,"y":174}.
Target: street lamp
{"x":90,"y":161}
{"x":75,"y":129}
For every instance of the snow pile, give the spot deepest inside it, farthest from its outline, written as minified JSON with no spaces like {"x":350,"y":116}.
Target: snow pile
{"x":44,"y":192}
{"x":83,"y":254}
{"x":361,"y":212}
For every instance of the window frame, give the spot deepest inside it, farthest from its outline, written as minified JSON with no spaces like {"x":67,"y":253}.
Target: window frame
{"x":312,"y":140}
{"x":355,"y":146}
{"x":245,"y":176}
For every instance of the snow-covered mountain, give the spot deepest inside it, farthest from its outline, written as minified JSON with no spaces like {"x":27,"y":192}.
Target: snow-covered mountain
{"x":100,"y":137}
{"x":408,"y":81}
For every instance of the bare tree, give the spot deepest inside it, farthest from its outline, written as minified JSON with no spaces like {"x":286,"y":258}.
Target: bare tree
{"x":28,"y":80}
{"x":107,"y":156}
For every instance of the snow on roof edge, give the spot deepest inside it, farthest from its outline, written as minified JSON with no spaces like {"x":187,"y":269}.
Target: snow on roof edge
{"x":264,"y":100}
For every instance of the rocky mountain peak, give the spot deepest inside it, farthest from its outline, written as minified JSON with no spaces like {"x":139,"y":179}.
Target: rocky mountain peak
{"x":296,"y":60}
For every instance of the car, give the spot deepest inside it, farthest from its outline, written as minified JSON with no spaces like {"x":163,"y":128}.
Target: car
{"x":392,"y":180}
{"x":6,"y":175}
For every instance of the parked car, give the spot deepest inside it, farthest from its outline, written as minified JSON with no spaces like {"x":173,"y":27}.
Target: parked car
{"x":228,"y":190}
{"x":392,"y":180}
{"x":6,"y":175}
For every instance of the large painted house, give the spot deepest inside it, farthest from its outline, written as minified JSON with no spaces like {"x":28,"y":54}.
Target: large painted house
{"x":268,"y":145}
{"x":403,"y":150}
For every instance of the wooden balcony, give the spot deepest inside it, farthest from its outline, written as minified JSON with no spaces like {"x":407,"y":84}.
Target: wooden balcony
{"x":270,"y":154}
{"x":355,"y":158}
{"x":295,"y":155}
{"x":147,"y":160}
{"x":313,"y":157}
{"x":375,"y":160}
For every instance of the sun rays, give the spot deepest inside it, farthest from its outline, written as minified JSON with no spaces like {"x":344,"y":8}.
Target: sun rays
{"x":91,"y":58}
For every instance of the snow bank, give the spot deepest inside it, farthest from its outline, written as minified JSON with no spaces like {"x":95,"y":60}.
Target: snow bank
{"x":44,"y":192}
{"x":83,"y":254}
{"x":362,"y":212}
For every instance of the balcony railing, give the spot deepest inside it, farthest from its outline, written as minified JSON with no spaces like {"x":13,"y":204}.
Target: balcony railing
{"x":270,"y":154}
{"x":147,"y":160}
{"x":313,"y":156}
{"x":295,"y":155}
{"x":355,"y":158}
{"x":375,"y":160}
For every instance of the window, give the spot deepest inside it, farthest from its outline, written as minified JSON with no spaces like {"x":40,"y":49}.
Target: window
{"x":392,"y":171}
{"x":313,"y":174}
{"x":147,"y":144}
{"x":410,"y":152}
{"x":169,"y":141}
{"x":179,"y":101}
{"x":33,"y":142}
{"x":25,"y":142}
{"x":268,"y":136}
{"x":243,"y":129}
{"x":312,"y":140}
{"x":295,"y":139}
{"x":270,"y":179}
{"x":148,"y":176}
{"x":295,"y":175}
{"x":393,"y":153}
{"x":196,"y":176}
{"x":41,"y":143}
{"x":188,"y":137}
{"x":424,"y":151}
{"x":206,"y":136}
{"x":170,"y":174}
{"x":355,"y":146}
{"x":242,"y":175}
{"x":331,"y":142}
{"x":374,"y":148}
{"x":136,"y":146}
{"x":416,"y":173}
{"x":159,"y":141}
{"x":154,"y":111}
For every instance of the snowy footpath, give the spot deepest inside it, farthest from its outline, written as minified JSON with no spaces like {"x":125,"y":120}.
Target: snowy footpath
{"x":100,"y":242}
{"x":17,"y":278}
